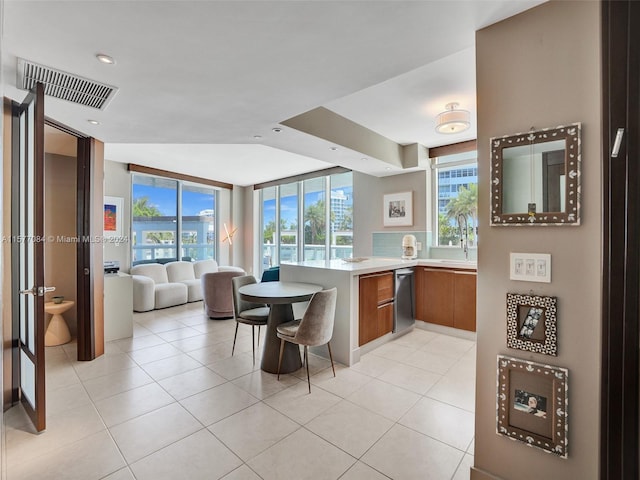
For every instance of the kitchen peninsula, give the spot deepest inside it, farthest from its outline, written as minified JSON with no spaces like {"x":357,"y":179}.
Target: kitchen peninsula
{"x":346,"y":342}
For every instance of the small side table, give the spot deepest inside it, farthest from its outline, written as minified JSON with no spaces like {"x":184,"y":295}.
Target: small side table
{"x":57,"y":331}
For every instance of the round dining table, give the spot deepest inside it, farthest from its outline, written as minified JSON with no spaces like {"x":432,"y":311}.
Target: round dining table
{"x":279,"y":296}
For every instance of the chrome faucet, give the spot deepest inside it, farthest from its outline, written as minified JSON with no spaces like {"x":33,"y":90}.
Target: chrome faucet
{"x":464,"y":235}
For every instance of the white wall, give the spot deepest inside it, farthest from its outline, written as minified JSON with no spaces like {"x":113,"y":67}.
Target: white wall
{"x":117,"y":183}
{"x":542,"y":68}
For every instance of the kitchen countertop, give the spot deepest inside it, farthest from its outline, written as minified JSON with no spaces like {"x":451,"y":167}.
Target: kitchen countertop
{"x":376,"y":264}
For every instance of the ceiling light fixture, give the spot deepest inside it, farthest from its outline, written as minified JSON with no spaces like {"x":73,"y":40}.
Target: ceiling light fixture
{"x":452,"y":120}
{"x":257,"y":137}
{"x":103,"y":58}
{"x":333,"y":149}
{"x":94,"y":122}
{"x":277,"y":129}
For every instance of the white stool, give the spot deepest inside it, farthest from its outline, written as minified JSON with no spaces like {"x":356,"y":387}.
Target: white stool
{"x":57,"y":331}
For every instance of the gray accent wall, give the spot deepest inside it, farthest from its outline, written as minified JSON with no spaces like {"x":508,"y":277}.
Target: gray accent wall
{"x":368,"y":193}
{"x":542,"y":68}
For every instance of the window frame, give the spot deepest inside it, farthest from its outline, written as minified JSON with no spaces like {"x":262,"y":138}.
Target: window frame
{"x":300,"y":243}
{"x":179,"y":215}
{"x":435,"y":156}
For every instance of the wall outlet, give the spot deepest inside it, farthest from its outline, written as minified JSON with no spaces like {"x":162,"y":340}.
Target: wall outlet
{"x":419,"y":246}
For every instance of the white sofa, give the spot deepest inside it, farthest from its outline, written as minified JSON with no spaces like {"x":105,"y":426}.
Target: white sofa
{"x":175,"y":283}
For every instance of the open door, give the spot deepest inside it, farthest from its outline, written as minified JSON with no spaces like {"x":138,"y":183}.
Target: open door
{"x":27,"y":254}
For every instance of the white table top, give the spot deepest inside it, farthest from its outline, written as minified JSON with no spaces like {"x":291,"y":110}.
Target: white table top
{"x":278,"y":292}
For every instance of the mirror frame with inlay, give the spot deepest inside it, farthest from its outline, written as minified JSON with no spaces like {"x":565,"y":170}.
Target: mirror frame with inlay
{"x":570,"y":215}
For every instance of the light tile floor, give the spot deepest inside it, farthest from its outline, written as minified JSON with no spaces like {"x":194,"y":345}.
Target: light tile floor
{"x":172,"y":402}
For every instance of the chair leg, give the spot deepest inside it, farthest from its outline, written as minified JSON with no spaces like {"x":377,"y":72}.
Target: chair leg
{"x":306,"y":360}
{"x":280,"y":356}
{"x":253,"y":343}
{"x":234,"y":340}
{"x":331,"y":358}
{"x":258,"y":336}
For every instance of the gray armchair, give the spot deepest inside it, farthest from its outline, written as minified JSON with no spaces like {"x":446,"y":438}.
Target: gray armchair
{"x":218,"y":293}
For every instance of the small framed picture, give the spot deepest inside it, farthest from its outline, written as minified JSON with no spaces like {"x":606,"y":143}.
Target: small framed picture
{"x":530,"y":267}
{"x":113,"y":216}
{"x":398,"y":209}
{"x":532,"y":404}
{"x":531,"y":323}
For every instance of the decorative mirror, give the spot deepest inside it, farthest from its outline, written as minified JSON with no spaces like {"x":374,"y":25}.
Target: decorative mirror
{"x":535,"y":177}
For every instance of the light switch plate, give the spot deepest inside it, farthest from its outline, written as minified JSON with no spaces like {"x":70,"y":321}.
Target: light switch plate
{"x":530,"y":267}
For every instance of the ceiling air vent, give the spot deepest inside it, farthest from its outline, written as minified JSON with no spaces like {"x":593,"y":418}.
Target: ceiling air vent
{"x":63,"y":85}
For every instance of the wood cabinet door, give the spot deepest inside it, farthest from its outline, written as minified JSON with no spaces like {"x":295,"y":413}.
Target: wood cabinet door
{"x":420,"y":294}
{"x":385,"y":319}
{"x":385,"y":287}
{"x":438,"y":296}
{"x":367,"y":309}
{"x":464,"y":309}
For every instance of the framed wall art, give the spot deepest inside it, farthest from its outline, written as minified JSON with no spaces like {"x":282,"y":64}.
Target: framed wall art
{"x":535,"y":177}
{"x":113,"y":216}
{"x":531,"y":323}
{"x":532,"y":404}
{"x":398,"y":209}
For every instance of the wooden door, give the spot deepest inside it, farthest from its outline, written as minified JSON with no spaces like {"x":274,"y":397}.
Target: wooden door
{"x":28,"y":252}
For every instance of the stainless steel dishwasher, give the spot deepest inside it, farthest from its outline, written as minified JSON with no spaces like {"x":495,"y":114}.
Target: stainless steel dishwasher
{"x":404,"y":316}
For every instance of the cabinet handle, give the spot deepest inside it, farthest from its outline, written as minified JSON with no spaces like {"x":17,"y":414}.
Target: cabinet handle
{"x":458,"y":272}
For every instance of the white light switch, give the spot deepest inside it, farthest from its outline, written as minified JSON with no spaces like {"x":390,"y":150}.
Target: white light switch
{"x":419,"y":245}
{"x":530,"y":267}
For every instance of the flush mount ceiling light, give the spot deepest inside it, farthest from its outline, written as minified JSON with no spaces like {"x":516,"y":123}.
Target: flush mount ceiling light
{"x":452,"y":120}
{"x":103,"y":58}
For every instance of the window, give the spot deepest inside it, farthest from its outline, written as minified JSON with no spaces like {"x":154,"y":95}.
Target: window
{"x":269,"y":233}
{"x":156,"y":231}
{"x":315,"y":219}
{"x":288,"y":244}
{"x":455,"y":195}
{"x":341,"y":215}
{"x":296,"y":218}
{"x":198,"y":222}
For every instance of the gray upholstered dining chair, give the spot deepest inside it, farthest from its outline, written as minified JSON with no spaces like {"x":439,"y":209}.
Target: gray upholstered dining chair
{"x":314,"y":329}
{"x":254,"y":314}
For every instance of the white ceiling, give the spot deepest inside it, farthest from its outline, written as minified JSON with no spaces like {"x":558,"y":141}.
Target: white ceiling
{"x":199,"y":79}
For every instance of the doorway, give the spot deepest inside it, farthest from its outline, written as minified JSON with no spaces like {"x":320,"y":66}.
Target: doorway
{"x":60,"y":229}
{"x":72,"y":212}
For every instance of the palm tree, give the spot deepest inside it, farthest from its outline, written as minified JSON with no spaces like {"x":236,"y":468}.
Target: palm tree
{"x":314,"y":218}
{"x":466,"y":203}
{"x":142,"y":208}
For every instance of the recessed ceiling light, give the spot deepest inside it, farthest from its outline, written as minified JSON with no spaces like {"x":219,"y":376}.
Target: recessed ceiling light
{"x":333,"y":148}
{"x":388,"y":168}
{"x":257,"y":137}
{"x":105,"y":59}
{"x":277,"y":129}
{"x":94,"y":122}
{"x":364,"y":159}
